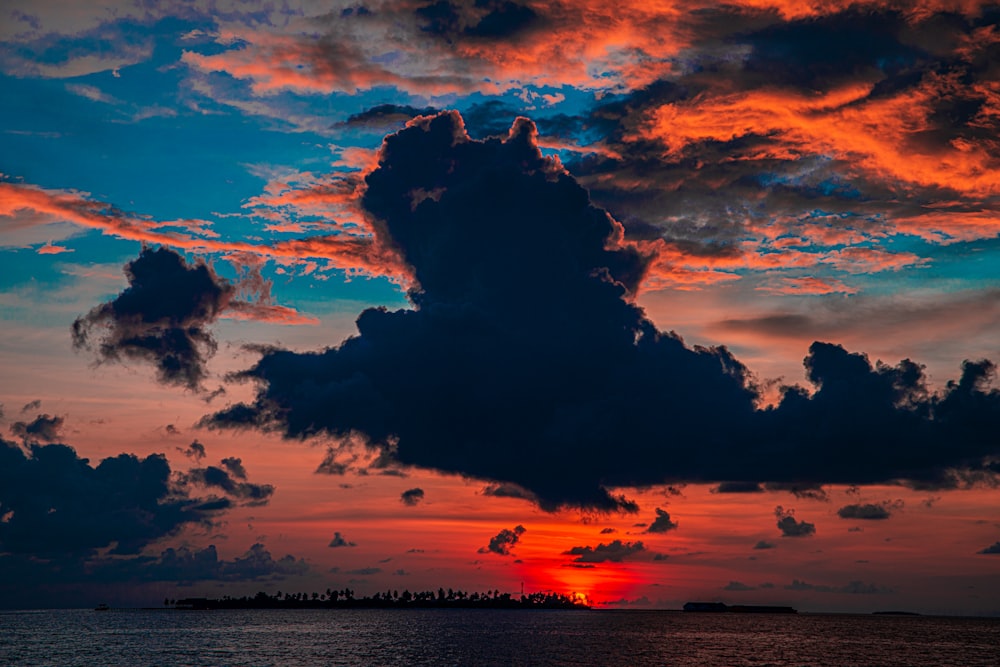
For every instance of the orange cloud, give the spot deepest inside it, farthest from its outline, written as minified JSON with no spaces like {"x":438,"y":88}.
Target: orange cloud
{"x":881,"y":136}
{"x":859,"y":259}
{"x":268,"y":312}
{"x":674,"y":266}
{"x":29,"y":205}
{"x":950,"y":227}
{"x":913,"y":9}
{"x":304,"y":63}
{"x":50,"y":249}
{"x":355,"y":254}
{"x":333,"y":202}
{"x":590,"y":44}
{"x":806,"y":285}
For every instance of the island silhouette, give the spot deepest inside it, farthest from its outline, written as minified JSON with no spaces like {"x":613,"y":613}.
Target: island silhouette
{"x":390,"y":599}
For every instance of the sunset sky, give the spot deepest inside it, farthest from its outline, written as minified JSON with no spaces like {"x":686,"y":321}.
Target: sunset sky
{"x":647,"y":301}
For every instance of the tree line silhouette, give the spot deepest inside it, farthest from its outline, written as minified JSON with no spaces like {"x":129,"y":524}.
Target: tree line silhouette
{"x":390,"y":599}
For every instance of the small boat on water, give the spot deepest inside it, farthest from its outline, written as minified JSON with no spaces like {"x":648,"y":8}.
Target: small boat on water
{"x":102,"y":607}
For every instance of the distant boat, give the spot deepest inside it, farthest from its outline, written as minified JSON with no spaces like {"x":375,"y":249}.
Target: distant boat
{"x":102,"y":607}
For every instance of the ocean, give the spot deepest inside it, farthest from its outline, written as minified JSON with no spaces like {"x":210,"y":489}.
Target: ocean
{"x":135,"y":638}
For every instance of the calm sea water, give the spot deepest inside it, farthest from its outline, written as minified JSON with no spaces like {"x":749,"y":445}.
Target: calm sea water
{"x":487,"y":637}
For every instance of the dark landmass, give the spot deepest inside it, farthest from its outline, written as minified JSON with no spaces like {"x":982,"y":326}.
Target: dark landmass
{"x":345,"y":599}
{"x":719,"y":607}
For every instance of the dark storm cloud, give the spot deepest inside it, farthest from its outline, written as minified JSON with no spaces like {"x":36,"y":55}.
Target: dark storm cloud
{"x":992,"y":549}
{"x":570,"y":368}
{"x":235,"y":467}
{"x":384,"y":117}
{"x":870,"y":511}
{"x":662,"y":522}
{"x":502,"y":542}
{"x":382,"y":472}
{"x":810,"y":53}
{"x":163,"y":316}
{"x":615,"y":552}
{"x":245,"y":493}
{"x":524,"y":359}
{"x":411,"y":497}
{"x":185,"y":565}
{"x":932,"y":441}
{"x":851,"y":588}
{"x":790,"y":526}
{"x":485,"y":19}
{"x":340,"y":541}
{"x":504,"y":19}
{"x":489,"y":119}
{"x":195,"y":451}
{"x":738,"y":487}
{"x":160,"y":318}
{"x":256,"y":563}
{"x":31,"y":406}
{"x":43,"y":428}
{"x":330,"y":465}
{"x":493,"y":118}
{"x":811,"y":491}
{"x":55,"y":504}
{"x":508,"y":490}
{"x":27,"y":581}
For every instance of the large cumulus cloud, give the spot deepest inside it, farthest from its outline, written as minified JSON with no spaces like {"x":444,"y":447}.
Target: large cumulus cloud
{"x":524,"y":358}
{"x":56,"y":504}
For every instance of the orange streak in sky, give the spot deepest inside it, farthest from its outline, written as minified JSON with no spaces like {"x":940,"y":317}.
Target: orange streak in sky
{"x":31,"y":205}
{"x":881,"y":136}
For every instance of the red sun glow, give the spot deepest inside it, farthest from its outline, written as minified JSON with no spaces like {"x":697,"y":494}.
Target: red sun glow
{"x":592,"y":583}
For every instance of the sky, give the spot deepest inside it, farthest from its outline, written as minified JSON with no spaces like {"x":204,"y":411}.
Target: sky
{"x":646,"y":302}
